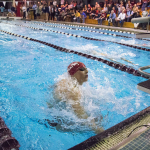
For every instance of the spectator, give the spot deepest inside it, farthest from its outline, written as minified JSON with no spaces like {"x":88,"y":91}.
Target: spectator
{"x":85,"y":8}
{"x":112,"y":18}
{"x":105,"y":9}
{"x":66,"y":4}
{"x":55,"y":3}
{"x":75,"y":5}
{"x":70,"y":6}
{"x":109,"y":9}
{"x":132,"y":2}
{"x":81,"y":4}
{"x":144,"y":5}
{"x":49,"y":7}
{"x":136,"y":16}
{"x":93,"y":12}
{"x":78,"y":6}
{"x":51,"y":3}
{"x":135,"y":8}
{"x":83,"y":15}
{"x":114,"y":10}
{"x":89,"y":9}
{"x":52,"y":12}
{"x":139,"y":4}
{"x":47,"y":11}
{"x":121,"y":3}
{"x":62,"y":2}
{"x":34,"y":7}
{"x":129,"y":14}
{"x":13,"y":10}
{"x":99,"y":13}
{"x":120,"y":18}
{"x":59,"y":15}
{"x":24,"y":9}
{"x":112,"y":3}
{"x":2,"y":10}
{"x":21,"y":13}
{"x":144,"y":14}
{"x":96,"y":5}
{"x":78,"y":16}
{"x":101,"y":18}
{"x":44,"y":11}
{"x":29,"y":10}
{"x":120,"y":8}
{"x":63,"y":7}
{"x":39,"y":12}
{"x":63,"y":15}
{"x":148,"y":4}
{"x":56,"y":12}
{"x":128,"y":4}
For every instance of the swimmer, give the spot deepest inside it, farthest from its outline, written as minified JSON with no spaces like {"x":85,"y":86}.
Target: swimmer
{"x":69,"y":89}
{"x":144,"y":45}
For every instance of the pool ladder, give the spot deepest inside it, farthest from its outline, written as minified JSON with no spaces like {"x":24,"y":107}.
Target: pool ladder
{"x":144,"y":73}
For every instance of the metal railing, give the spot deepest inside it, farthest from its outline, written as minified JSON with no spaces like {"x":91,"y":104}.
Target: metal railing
{"x":144,"y":68}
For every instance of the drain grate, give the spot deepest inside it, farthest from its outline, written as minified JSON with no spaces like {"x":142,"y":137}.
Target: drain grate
{"x":140,"y":143}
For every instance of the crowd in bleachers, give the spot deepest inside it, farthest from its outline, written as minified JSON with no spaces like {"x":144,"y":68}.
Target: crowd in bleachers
{"x":114,"y":12}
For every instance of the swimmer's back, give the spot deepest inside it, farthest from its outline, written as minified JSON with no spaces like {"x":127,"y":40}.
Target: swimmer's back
{"x":66,"y":90}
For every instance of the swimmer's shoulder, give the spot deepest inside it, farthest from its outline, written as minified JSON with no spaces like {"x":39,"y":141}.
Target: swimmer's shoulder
{"x":60,"y":88}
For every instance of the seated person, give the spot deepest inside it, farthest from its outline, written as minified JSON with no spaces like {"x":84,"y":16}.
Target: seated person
{"x":139,"y":5}
{"x":89,"y":9}
{"x":120,"y":9}
{"x":137,"y":16}
{"x":105,"y":9}
{"x":120,"y":18}
{"x":70,"y":90}
{"x":97,"y":5}
{"x":144,"y":5}
{"x":83,"y":15}
{"x":144,"y":14}
{"x":13,"y":10}
{"x":112,"y":17}
{"x":101,"y":18}
{"x":93,"y":12}
{"x":78,"y":16}
{"x":128,"y":4}
{"x":63,"y":15}
{"x":129,"y":14}
{"x":98,"y":14}
{"x":109,"y":9}
{"x":71,"y":14}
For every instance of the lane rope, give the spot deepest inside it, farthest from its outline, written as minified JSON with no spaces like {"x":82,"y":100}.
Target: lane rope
{"x":96,"y":31}
{"x":83,"y":26}
{"x":118,"y":66}
{"x":88,"y":38}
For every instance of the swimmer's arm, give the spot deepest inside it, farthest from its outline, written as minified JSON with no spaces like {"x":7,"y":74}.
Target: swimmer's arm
{"x":79,"y":111}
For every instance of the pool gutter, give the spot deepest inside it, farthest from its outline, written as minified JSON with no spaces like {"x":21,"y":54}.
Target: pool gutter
{"x":106,"y":137}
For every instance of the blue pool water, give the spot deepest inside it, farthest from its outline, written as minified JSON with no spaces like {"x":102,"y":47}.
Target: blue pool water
{"x":29,"y":70}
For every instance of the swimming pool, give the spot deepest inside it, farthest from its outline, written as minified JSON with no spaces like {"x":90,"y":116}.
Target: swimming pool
{"x":30,"y":69}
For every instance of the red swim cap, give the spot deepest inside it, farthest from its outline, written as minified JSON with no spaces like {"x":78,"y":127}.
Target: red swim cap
{"x":74,"y":67}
